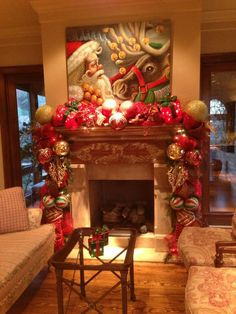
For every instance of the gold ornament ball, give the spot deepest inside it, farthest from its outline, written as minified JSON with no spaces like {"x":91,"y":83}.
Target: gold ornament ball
{"x":44,"y":114}
{"x":61,"y":148}
{"x":197,"y":109}
{"x":175,"y":151}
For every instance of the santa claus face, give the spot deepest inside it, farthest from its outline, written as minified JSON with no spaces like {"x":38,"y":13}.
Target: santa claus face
{"x":92,"y":65}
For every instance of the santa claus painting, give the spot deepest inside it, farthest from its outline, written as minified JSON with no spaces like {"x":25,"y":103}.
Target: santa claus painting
{"x":125,"y":62}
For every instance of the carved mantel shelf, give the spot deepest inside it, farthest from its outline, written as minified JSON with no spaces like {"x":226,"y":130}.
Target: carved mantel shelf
{"x":133,"y":144}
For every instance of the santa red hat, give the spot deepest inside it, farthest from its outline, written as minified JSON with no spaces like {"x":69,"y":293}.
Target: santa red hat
{"x":77,"y":53}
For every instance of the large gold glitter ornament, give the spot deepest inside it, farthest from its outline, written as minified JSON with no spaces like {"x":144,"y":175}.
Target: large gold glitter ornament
{"x":175,"y":151}
{"x":44,"y":114}
{"x":61,"y":148}
{"x":197,"y":109}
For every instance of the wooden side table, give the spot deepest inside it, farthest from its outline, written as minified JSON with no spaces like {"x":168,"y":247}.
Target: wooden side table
{"x":120,"y":269}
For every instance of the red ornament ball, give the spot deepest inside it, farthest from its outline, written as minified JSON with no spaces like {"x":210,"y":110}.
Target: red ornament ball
{"x":109,"y":107}
{"x":193,"y":158}
{"x":129,"y":109}
{"x":44,"y":155}
{"x":117,"y":121}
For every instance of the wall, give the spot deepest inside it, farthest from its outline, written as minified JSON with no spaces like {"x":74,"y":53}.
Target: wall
{"x":186,"y":18}
{"x":185,"y":57}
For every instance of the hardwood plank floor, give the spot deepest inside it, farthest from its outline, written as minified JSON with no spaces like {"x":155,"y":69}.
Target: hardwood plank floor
{"x":159,"y":289}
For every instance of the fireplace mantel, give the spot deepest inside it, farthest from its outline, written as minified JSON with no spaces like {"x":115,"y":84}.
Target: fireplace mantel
{"x":133,"y":144}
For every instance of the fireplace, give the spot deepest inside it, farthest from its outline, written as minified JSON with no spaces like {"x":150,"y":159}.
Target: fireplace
{"x":122,"y":203}
{"x":122,"y":169}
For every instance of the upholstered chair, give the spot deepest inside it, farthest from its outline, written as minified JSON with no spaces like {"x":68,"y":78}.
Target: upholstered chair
{"x":211,"y":286}
{"x":205,"y":246}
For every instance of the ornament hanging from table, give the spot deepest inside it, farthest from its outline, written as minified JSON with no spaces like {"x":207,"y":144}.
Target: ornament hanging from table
{"x":175,"y":151}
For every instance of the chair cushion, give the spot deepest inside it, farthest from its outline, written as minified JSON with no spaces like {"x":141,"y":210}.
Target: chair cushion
{"x":210,"y":290}
{"x":13,"y":212}
{"x":197,"y":245}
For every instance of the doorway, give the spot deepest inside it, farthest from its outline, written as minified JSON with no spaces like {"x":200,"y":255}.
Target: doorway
{"x":218,"y":90}
{"x":22,"y":92}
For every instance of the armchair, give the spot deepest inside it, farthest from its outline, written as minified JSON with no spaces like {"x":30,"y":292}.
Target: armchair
{"x":209,"y":289}
{"x":204,"y":246}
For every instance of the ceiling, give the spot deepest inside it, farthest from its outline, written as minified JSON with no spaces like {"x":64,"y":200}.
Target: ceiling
{"x":19,"y":13}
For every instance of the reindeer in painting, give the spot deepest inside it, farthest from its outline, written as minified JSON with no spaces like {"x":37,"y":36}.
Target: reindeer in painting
{"x":143,"y":63}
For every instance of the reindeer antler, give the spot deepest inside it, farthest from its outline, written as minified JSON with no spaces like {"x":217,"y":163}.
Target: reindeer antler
{"x":129,"y":42}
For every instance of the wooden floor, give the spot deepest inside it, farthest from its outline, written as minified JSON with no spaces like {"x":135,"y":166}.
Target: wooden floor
{"x":159,"y":289}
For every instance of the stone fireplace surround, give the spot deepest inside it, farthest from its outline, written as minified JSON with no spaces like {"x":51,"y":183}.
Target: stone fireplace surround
{"x":134,"y":153}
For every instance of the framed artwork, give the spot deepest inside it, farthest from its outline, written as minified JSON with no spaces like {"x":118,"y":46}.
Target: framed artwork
{"x":129,"y":61}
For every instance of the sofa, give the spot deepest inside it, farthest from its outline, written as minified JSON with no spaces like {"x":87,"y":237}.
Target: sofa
{"x":25,"y":245}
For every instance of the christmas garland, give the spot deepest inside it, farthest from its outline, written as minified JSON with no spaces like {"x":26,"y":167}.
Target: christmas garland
{"x":185,"y":152}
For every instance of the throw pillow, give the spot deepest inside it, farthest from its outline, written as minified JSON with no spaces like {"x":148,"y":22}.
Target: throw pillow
{"x":35,"y":216}
{"x":13,"y":211}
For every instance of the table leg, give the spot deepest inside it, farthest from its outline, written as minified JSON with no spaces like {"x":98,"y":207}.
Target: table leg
{"x":124,"y":290}
{"x":60,"y":301}
{"x":132,"y":294}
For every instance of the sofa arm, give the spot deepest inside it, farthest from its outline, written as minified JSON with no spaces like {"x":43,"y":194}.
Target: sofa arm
{"x":224,"y":247}
{"x":35,"y":217}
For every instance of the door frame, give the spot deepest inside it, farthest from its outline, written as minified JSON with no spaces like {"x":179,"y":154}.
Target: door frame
{"x":8,"y":118}
{"x":209,"y":64}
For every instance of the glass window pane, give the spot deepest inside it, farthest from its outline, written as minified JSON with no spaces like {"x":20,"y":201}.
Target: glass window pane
{"x":223,"y":141}
{"x":41,"y":100}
